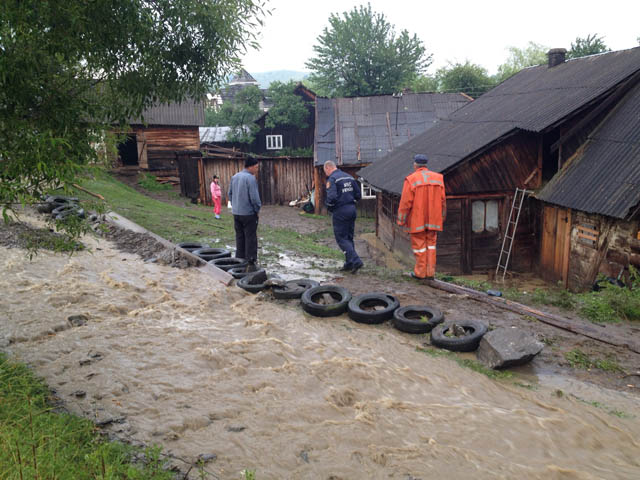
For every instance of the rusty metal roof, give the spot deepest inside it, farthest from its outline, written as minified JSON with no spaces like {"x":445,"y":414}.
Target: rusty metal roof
{"x":534,"y":99}
{"x":605,"y":177}
{"x":368,"y":128}
{"x":187,"y":113}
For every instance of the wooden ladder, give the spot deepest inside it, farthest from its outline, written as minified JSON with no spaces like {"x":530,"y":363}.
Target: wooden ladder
{"x":510,"y":231}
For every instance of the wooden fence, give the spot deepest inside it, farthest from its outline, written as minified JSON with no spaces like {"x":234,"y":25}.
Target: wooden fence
{"x":280,"y":179}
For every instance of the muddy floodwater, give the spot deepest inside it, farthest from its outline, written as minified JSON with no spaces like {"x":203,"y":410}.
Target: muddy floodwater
{"x":169,"y":356}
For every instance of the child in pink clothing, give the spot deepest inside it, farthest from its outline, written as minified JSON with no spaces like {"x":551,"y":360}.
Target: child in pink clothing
{"x":216,"y":195}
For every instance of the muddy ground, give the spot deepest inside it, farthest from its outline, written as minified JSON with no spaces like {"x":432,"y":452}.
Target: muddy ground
{"x":550,"y":363}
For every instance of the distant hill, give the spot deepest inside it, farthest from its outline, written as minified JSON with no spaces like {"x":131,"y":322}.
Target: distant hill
{"x":265,"y":78}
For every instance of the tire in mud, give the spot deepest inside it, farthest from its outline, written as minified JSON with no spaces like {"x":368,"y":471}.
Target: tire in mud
{"x":475,"y":331}
{"x":227,"y":263}
{"x":409,"y":319}
{"x":310,"y":301}
{"x":358,"y":308}
{"x":293,"y":288}
{"x":191,"y":246}
{"x":238,"y":272}
{"x":254,"y":282}
{"x":211,"y":253}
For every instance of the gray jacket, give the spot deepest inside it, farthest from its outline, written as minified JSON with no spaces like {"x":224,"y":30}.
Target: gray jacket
{"x":243,"y":194}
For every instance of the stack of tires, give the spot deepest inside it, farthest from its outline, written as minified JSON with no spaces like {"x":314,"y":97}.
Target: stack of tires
{"x":60,"y":207}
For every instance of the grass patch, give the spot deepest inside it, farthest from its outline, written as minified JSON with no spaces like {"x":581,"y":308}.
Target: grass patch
{"x":35,"y":442}
{"x":578,"y":359}
{"x":150,"y":183}
{"x":610,"y":411}
{"x":467,"y":363}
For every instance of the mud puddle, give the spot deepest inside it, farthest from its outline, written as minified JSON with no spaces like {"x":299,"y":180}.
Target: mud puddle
{"x":170,"y":356}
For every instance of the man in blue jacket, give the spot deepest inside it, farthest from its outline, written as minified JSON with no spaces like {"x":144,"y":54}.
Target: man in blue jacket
{"x":245,"y":206}
{"x":342,"y":194}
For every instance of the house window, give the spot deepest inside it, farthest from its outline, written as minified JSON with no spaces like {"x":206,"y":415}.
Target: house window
{"x":484,"y":216}
{"x":367,"y":190}
{"x":274,"y":142}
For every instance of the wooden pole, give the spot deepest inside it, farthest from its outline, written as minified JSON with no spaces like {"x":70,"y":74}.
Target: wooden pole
{"x":97,"y":195}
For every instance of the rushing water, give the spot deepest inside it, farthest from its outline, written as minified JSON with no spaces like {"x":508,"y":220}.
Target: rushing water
{"x":198,"y":367}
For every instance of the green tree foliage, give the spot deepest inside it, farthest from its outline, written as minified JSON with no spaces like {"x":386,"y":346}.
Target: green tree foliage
{"x":519,"y":58}
{"x":70,"y":70}
{"x":423,"y":83}
{"x":360,"y":54}
{"x":289,"y":109}
{"x":590,"y":45}
{"x":240,"y":115}
{"x":465,"y":77}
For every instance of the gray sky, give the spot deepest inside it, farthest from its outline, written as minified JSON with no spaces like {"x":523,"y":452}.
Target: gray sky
{"x":454,"y":30}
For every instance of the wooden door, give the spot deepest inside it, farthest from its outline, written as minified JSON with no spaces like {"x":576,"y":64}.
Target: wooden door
{"x":484,"y":232}
{"x":556,"y":239}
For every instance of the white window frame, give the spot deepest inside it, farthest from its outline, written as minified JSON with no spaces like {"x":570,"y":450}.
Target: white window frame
{"x":367,"y":190}
{"x":274,"y":142}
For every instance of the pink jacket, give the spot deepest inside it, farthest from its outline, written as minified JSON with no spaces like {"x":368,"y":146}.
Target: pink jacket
{"x":215,"y":190}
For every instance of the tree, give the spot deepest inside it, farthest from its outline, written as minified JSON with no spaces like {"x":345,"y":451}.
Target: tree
{"x":72,"y":70}
{"x":423,"y":83}
{"x":240,"y":115}
{"x":465,"y":77}
{"x":519,"y":58}
{"x":590,"y":45}
{"x":360,"y":54}
{"x":288,"y":109}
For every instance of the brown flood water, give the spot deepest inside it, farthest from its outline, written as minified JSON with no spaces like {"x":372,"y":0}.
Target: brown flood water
{"x":203,"y":368}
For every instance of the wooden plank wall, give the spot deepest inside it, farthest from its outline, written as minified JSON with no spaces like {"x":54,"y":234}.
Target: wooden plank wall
{"x":623,"y":249}
{"x":157,"y":145}
{"x":280,"y":180}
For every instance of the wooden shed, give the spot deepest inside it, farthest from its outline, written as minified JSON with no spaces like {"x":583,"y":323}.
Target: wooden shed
{"x":280,"y":179}
{"x":521,"y":134}
{"x":358,"y":131}
{"x":163,"y":130}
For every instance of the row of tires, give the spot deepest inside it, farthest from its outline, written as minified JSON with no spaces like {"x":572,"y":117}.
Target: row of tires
{"x":333,"y":300}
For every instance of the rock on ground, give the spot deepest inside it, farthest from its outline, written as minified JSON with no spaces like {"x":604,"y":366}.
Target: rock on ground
{"x":507,"y":347}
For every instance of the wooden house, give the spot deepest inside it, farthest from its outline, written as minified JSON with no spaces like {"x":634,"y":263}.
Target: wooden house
{"x":163,"y":130}
{"x":269,"y":140}
{"x":524,"y":133}
{"x":358,"y":131}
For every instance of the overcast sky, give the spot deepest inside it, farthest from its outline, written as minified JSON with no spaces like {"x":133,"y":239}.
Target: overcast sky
{"x":453,"y":31}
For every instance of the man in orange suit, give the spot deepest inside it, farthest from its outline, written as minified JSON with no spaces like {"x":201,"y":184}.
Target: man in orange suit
{"x":422,"y":210}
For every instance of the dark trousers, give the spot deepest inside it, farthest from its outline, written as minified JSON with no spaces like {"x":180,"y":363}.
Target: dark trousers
{"x":246,"y":227}
{"x":344,"y":219}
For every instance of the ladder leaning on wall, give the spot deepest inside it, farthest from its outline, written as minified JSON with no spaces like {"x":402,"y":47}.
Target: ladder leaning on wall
{"x":510,"y":231}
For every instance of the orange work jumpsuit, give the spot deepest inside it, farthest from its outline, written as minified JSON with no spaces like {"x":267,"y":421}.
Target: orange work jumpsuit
{"x":422,"y":210}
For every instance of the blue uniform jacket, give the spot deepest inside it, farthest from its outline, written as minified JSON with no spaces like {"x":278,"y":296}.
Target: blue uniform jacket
{"x":342,"y":189}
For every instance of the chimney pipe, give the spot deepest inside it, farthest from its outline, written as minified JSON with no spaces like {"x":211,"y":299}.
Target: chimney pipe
{"x":556,"y":56}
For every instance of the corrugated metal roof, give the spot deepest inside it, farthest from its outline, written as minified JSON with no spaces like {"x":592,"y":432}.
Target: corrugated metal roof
{"x":187,"y":113}
{"x":534,"y":99}
{"x":371,"y":127}
{"x":605,"y":177}
{"x":214,"y":134}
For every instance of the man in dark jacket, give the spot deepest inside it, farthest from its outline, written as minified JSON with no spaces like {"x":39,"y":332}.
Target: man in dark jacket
{"x":342,"y":194}
{"x":245,"y":206}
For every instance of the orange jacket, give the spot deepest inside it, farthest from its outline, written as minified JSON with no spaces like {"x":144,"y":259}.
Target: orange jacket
{"x":423,"y":205}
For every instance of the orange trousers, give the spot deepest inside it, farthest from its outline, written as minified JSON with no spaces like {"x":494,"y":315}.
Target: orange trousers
{"x":423,"y":245}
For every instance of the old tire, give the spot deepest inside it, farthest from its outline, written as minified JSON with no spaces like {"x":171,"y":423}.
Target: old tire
{"x":191,"y":246}
{"x":311,"y":297}
{"x":227,"y":263}
{"x":294,"y":288}
{"x":468,"y":343}
{"x":77,"y":211}
{"x":357,"y":305}
{"x":254,"y":282}
{"x":409,"y":319}
{"x":211,"y":253}
{"x":239,"y":272}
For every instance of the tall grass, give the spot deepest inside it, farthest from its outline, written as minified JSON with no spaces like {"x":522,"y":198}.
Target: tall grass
{"x":38,"y":443}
